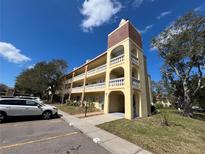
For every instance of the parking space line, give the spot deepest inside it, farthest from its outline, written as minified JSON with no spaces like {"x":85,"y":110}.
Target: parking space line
{"x":29,"y":122}
{"x":36,"y":141}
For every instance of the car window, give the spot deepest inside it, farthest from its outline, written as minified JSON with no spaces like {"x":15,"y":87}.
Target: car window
{"x":31,"y":103}
{"x":5,"y":102}
{"x":12,"y":102}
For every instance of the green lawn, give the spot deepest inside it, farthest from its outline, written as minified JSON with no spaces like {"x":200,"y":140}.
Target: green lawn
{"x":184,"y":135}
{"x":75,"y":109}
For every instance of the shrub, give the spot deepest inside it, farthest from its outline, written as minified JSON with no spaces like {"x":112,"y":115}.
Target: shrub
{"x":165,"y":119}
{"x":72,"y":103}
{"x":153,"y":109}
{"x":159,"y":105}
{"x":90,"y":104}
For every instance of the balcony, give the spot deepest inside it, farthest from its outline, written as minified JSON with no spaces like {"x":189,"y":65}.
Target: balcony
{"x":135,"y":60}
{"x":135,"y":83}
{"x":77,"y":89}
{"x":117,"y":59}
{"x":95,"y":87}
{"x":116,"y":82}
{"x":79,"y":77}
{"x":98,"y":69}
{"x":68,"y":90}
{"x":90,"y":87}
{"x":68,"y":81}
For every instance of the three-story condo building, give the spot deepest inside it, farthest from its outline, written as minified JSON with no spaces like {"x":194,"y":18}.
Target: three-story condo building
{"x":116,"y":80}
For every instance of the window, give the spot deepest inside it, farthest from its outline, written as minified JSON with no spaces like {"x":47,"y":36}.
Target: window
{"x":5,"y":102}
{"x":12,"y":102}
{"x":101,"y":99}
{"x":30,"y":103}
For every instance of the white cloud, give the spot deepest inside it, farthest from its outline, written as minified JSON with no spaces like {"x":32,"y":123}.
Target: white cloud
{"x":146,"y":29}
{"x":31,"y":66}
{"x":12,"y":54}
{"x":153,"y":48}
{"x":200,"y":8}
{"x":98,"y":12}
{"x":163,"y":14}
{"x":137,"y":3}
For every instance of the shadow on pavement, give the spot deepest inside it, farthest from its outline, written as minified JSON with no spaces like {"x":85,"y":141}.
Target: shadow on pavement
{"x":27,"y":118}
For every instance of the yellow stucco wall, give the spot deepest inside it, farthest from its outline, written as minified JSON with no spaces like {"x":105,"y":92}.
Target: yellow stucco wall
{"x":143,"y":95}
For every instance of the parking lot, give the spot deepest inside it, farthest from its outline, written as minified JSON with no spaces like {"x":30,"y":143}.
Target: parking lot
{"x":37,"y":136}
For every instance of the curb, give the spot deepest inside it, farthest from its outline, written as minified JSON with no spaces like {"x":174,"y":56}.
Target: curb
{"x":110,"y":142}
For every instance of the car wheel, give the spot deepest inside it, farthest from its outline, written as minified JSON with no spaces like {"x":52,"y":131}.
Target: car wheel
{"x":2,"y":116}
{"x":47,"y":115}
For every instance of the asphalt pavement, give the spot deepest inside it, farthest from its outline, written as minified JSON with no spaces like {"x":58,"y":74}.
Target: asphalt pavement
{"x":45,"y":137}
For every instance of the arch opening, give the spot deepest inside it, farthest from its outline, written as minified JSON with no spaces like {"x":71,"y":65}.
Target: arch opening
{"x":117,"y":73}
{"x":117,"y":51}
{"x":116,"y":102}
{"x":134,"y":52}
{"x":135,"y":73}
{"x":135,"y":78}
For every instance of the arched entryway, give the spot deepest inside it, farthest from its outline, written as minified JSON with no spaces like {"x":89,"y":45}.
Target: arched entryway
{"x":116,"y":102}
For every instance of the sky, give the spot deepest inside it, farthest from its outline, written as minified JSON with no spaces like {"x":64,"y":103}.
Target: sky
{"x":75,"y":30}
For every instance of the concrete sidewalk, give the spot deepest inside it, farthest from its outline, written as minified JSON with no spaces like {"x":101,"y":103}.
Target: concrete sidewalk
{"x":100,"y":119}
{"x":89,"y":114}
{"x":110,"y":142}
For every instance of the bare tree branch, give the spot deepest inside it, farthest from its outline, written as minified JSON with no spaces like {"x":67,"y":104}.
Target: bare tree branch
{"x":176,"y":71}
{"x":200,"y":79}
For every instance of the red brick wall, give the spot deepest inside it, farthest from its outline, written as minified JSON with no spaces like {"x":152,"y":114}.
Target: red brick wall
{"x":135,"y":35}
{"x":127,"y":30}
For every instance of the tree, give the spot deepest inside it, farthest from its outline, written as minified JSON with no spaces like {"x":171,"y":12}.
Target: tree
{"x":182,"y":47}
{"x":199,"y":99}
{"x":44,"y":75}
{"x":159,"y":87}
{"x":30,"y":82}
{"x":3,"y":88}
{"x":158,"y":90}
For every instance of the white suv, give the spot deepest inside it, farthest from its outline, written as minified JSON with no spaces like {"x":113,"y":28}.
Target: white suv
{"x":25,"y":107}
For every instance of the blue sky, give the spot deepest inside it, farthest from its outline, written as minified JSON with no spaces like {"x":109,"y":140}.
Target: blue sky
{"x":75,"y":30}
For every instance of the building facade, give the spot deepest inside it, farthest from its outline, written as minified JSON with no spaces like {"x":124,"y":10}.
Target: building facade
{"x":116,"y":80}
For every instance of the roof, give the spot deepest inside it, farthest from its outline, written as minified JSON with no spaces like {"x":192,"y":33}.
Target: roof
{"x":86,"y":63}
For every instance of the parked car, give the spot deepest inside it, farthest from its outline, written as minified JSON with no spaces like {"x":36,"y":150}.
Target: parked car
{"x":29,"y":97}
{"x":25,"y":107}
{"x":197,"y":108}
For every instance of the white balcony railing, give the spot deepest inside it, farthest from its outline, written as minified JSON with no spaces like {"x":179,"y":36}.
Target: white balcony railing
{"x":116,"y":82}
{"x":89,"y":87}
{"x":68,"y":81}
{"x":117,"y":59}
{"x":77,"y":89}
{"x":135,"y":83}
{"x":101,"y":68}
{"x":135,"y":60}
{"x":78,"y":77}
{"x":68,"y":90}
{"x":95,"y":86}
